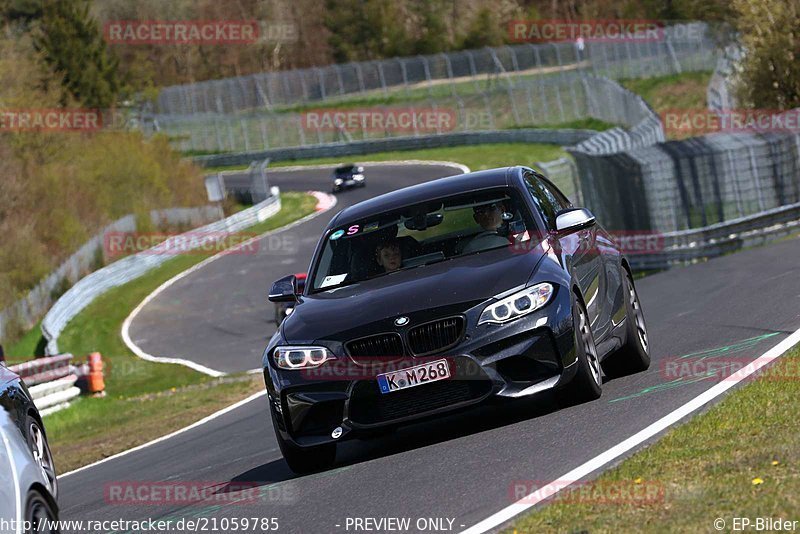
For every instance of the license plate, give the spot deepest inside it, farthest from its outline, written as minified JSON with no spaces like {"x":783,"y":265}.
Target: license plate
{"x":349,"y":182}
{"x":414,"y":376}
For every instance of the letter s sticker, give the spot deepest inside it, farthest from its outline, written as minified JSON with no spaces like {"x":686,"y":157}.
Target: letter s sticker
{"x":352,"y":230}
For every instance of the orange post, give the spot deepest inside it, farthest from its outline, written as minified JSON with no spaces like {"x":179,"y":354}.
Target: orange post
{"x":96,"y":384}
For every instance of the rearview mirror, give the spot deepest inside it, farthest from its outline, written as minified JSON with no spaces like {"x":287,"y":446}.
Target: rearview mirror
{"x":423,"y":222}
{"x":574,"y":219}
{"x":284,"y":290}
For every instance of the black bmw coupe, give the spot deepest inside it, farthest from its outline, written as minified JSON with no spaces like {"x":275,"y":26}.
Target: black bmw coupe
{"x":438,"y":296}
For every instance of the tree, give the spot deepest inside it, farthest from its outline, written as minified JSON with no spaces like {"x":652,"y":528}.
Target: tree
{"x":365,"y":29}
{"x":484,"y":30}
{"x":432,"y":31}
{"x":73,"y":47}
{"x":770,"y":70}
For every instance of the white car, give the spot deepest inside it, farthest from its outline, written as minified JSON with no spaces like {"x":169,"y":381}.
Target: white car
{"x":28,"y":482}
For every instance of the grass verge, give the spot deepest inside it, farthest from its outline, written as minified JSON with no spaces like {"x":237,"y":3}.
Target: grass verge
{"x":144,"y":399}
{"x":741,"y":458}
{"x":678,"y":92}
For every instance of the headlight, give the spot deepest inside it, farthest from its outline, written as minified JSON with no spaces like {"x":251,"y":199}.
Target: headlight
{"x":301,"y":357}
{"x":519,"y":304}
{"x":338,"y":181}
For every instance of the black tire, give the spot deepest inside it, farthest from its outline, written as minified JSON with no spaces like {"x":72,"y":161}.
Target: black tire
{"x":634,"y":355}
{"x":39,"y":515}
{"x":307,"y":459}
{"x":587,"y":384}
{"x":40,"y":450}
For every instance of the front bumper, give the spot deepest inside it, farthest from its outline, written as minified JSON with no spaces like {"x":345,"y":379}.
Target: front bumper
{"x":521,"y":358}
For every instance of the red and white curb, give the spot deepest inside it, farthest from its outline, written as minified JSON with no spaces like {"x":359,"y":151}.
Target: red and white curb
{"x":325,"y":201}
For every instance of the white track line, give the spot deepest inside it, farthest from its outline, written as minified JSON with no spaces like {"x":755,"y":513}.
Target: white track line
{"x":173,"y":434}
{"x":603,"y":459}
{"x":140,"y":353}
{"x":322,"y":206}
{"x":126,"y":325}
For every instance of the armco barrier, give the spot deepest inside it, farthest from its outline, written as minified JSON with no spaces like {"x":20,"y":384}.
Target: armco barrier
{"x":50,"y":381}
{"x":123,"y":271}
{"x":689,"y":246}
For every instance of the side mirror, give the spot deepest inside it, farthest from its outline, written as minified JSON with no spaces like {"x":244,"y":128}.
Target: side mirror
{"x":574,"y":219}
{"x":284,"y":290}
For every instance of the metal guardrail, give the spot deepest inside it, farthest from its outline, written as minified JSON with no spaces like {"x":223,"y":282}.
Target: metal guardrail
{"x":27,"y":311}
{"x":689,"y":246}
{"x":50,"y":381}
{"x":86,"y":290}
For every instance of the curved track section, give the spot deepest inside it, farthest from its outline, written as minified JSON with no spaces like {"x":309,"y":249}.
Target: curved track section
{"x":219,"y":316}
{"x":460,"y":468}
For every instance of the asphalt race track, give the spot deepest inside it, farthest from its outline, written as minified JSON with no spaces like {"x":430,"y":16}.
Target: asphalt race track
{"x":462,"y":468}
{"x":219,"y":316}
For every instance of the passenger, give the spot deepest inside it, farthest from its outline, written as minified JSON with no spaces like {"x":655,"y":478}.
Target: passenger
{"x":388,"y":255}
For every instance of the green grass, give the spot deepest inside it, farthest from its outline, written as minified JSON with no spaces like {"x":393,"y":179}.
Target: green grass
{"x":29,"y":345}
{"x":741,"y":458}
{"x":588,"y":123}
{"x":679,"y":92}
{"x":144,"y":399}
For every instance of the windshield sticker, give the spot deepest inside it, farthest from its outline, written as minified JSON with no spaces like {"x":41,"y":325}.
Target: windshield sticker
{"x":333,"y":280}
{"x":337,"y":234}
{"x":369,"y":227}
{"x":353,"y":229}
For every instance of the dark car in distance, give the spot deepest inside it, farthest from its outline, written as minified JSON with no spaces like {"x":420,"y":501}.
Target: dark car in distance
{"x":441,"y":295}
{"x":347,"y":177}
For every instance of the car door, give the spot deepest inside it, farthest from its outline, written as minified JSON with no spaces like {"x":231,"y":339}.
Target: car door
{"x":579,"y":249}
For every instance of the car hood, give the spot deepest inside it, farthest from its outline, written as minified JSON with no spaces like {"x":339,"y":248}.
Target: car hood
{"x":422,"y":293}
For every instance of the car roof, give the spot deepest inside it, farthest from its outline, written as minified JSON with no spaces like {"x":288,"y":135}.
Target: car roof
{"x":441,"y":187}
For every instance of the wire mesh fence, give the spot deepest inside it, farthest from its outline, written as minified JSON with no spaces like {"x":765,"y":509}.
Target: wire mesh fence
{"x":678,"y":185}
{"x":679,"y":48}
{"x":544,"y":103}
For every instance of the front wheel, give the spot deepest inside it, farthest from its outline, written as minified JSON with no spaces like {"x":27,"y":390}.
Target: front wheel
{"x":39,"y":515}
{"x":634,"y":355}
{"x":303,"y":460}
{"x":587,"y":384}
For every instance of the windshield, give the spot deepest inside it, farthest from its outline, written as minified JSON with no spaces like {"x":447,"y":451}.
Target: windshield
{"x":422,"y":234}
{"x":347,"y":169}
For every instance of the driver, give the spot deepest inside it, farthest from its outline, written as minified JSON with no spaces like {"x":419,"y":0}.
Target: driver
{"x":388,"y":255}
{"x":490,"y":218}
